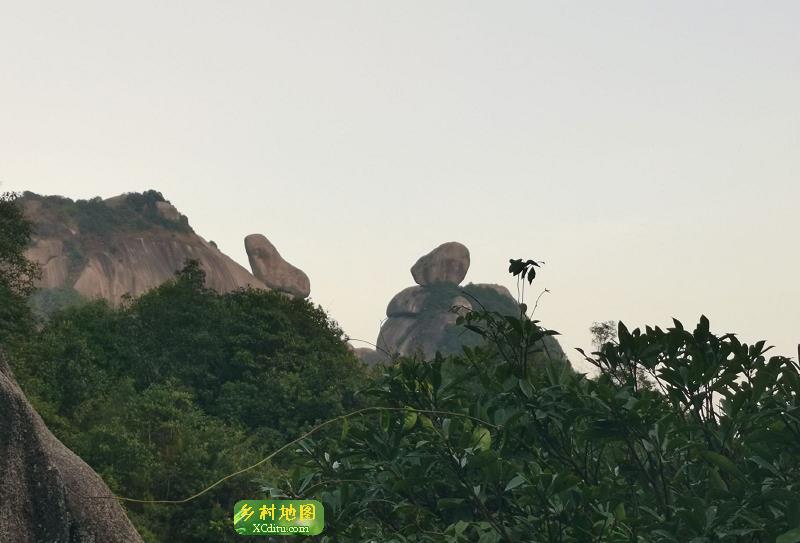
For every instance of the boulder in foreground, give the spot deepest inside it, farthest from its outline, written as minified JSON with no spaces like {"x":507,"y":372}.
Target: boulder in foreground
{"x":46,"y":489}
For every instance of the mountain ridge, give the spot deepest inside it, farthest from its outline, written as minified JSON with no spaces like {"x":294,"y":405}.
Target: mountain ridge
{"x":131,"y":243}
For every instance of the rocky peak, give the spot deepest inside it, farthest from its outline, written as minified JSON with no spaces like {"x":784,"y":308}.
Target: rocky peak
{"x":131,"y":243}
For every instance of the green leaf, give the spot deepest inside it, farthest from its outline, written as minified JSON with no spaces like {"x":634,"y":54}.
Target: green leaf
{"x":383,"y":416}
{"x":482,"y":438}
{"x":515,"y":482}
{"x":426,"y":422}
{"x":722,"y":462}
{"x":409,"y":420}
{"x":449,"y":503}
{"x":563,"y":482}
{"x":526,"y":388}
{"x":792,"y":536}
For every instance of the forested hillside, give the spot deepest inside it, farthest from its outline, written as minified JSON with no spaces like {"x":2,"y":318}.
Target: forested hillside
{"x":684,"y":435}
{"x":182,"y":385}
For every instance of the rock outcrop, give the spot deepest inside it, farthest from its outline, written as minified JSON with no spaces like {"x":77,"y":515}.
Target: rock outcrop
{"x":132,"y":243}
{"x":135,"y":264}
{"x":422,"y":319}
{"x":447,"y":263}
{"x":47,"y":493}
{"x":409,"y":301}
{"x":269,"y":266}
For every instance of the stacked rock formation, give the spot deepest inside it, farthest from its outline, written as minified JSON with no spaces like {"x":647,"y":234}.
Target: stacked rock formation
{"x":47,"y":493}
{"x":422,"y":319}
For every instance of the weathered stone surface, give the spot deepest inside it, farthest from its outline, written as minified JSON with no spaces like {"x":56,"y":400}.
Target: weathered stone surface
{"x":461,"y":306}
{"x":112,"y":264}
{"x":46,"y":491}
{"x":427,"y":334}
{"x":393,"y":333}
{"x":168,"y":211}
{"x":269,"y":266}
{"x":422,"y":319}
{"x":134,"y":265}
{"x":449,"y":262}
{"x":409,"y":301}
{"x":50,"y":255}
{"x":500,"y":289}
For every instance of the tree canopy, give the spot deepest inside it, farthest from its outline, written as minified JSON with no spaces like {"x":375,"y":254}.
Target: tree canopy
{"x":684,"y":436}
{"x":182,"y":385}
{"x":17,"y":273}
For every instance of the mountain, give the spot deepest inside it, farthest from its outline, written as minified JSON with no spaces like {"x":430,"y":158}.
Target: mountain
{"x":422,"y":318}
{"x":133,"y":242}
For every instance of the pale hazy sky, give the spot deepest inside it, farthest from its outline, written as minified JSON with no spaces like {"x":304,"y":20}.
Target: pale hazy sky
{"x":648,"y":152}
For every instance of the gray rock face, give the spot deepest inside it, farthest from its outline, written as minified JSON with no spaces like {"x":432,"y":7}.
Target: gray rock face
{"x":45,"y":489}
{"x":269,"y":266}
{"x":449,"y":263}
{"x":409,"y":301}
{"x":138,"y":264}
{"x":460,"y":305}
{"x":428,"y":328}
{"x":433,"y":326}
{"x":394,"y":333}
{"x":500,"y":289}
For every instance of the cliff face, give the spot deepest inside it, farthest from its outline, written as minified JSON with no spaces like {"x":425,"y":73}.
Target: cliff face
{"x":127,"y":245}
{"x":48,"y":493}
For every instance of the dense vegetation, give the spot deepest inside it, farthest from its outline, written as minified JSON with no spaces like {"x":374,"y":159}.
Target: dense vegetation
{"x":17,"y":274}
{"x":684,"y":435}
{"x":45,"y":302}
{"x":174,"y":389}
{"x":182,"y":385}
{"x":134,"y":212}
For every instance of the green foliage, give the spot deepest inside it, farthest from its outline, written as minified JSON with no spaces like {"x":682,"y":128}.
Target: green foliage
{"x":602,"y":333}
{"x":684,"y":436}
{"x":47,"y":301}
{"x":17,"y":273}
{"x":492,"y":446}
{"x":134,"y":212}
{"x":177,"y":388}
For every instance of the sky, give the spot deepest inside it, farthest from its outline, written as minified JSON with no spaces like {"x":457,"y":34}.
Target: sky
{"x":647,"y":152}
